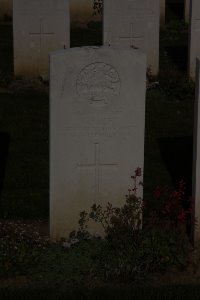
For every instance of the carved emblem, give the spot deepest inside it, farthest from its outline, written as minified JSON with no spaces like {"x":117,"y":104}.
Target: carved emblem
{"x":98,"y":83}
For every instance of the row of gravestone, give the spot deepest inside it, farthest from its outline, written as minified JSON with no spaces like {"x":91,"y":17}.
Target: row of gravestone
{"x":42,"y":27}
{"x":97,"y":107}
{"x":6,"y":9}
{"x":97,"y":130}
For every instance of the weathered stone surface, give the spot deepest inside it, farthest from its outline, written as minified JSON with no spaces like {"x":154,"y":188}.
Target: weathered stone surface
{"x":97,"y":120}
{"x":5,"y":9}
{"x":194,"y":37}
{"x":134,"y":23}
{"x":196,"y":154}
{"x":39,"y":27}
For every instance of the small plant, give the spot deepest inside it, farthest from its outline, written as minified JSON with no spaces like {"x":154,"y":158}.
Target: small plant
{"x":130,"y":251}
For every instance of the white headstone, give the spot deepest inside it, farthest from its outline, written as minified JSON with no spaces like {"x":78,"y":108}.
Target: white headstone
{"x":133,"y":23}
{"x":196,"y":154}
{"x":97,"y":120}
{"x":5,"y":9}
{"x":39,"y":27}
{"x":194,"y":37}
{"x":162,"y":12}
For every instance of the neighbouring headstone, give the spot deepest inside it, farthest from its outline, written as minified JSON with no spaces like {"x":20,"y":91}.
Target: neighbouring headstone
{"x":5,"y":9}
{"x":133,"y":23}
{"x":162,"y":12}
{"x":196,"y":155}
{"x":97,"y":121}
{"x":38,"y":27}
{"x":194,"y":37}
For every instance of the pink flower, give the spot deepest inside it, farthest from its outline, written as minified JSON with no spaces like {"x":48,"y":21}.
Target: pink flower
{"x":138,"y":172}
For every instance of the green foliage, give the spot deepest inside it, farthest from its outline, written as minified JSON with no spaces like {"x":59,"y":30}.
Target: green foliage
{"x":130,"y":252}
{"x":20,"y":249}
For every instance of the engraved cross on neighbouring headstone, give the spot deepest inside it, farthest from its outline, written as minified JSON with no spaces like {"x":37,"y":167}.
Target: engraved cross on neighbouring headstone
{"x":41,"y":33}
{"x":97,"y":165}
{"x":131,"y":37}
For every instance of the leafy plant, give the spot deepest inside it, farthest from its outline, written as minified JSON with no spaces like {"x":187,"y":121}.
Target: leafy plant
{"x":130,"y":251}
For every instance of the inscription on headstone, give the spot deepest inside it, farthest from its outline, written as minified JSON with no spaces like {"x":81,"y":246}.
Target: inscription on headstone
{"x":98,"y":83}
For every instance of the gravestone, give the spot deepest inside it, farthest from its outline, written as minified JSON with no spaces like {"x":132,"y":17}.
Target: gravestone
{"x":5,"y":9}
{"x":97,"y":119}
{"x":133,"y":23}
{"x":194,"y":37}
{"x":196,"y":154}
{"x":39,"y":27}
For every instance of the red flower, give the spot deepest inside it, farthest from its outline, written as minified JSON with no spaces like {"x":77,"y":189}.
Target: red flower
{"x":138,"y":172}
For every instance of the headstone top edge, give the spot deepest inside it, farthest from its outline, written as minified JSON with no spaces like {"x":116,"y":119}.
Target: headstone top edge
{"x":94,"y":49}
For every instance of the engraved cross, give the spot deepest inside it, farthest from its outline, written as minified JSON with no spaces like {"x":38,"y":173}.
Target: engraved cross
{"x":131,"y":37}
{"x":41,"y":33}
{"x":97,"y":165}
